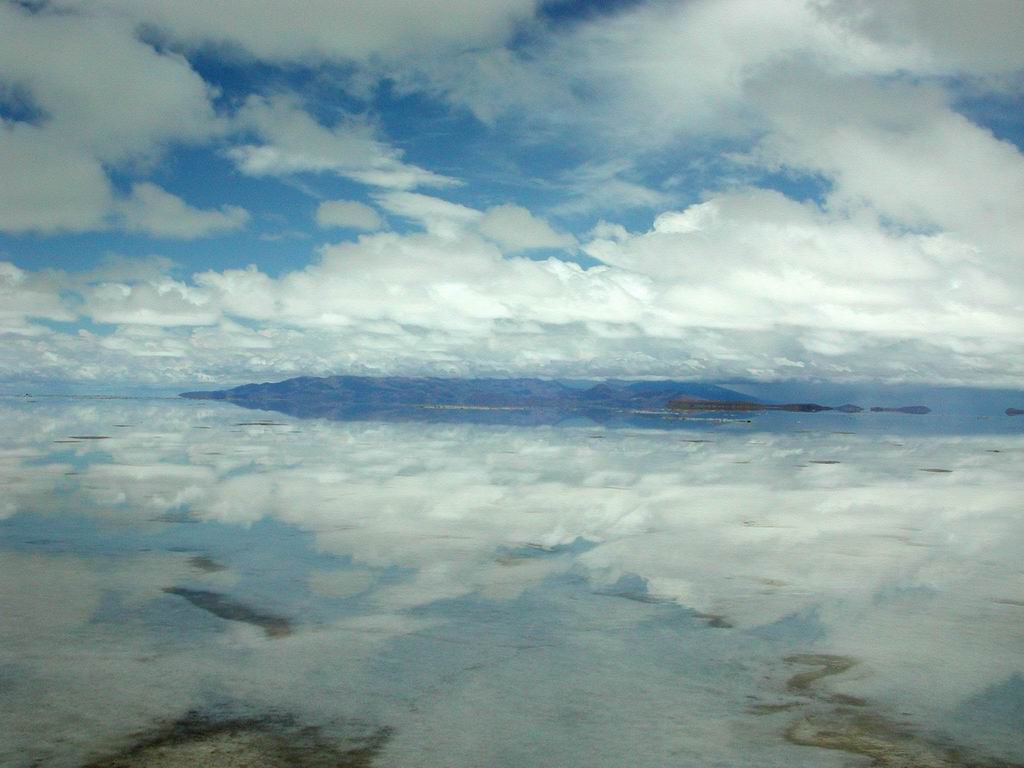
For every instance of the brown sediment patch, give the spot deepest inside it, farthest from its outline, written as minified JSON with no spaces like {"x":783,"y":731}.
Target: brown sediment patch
{"x":840,"y":722}
{"x":225,"y":608}
{"x":206,"y":564}
{"x":886,"y":743}
{"x":826,"y":665}
{"x":269,"y":742}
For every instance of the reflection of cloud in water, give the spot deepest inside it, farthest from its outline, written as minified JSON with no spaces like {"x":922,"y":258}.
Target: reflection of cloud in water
{"x":419,"y":542}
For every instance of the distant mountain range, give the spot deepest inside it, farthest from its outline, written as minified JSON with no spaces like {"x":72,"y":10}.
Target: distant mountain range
{"x":524,"y":401}
{"x":309,"y":394}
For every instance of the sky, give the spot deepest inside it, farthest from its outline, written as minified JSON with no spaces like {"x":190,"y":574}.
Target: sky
{"x":766,"y":190}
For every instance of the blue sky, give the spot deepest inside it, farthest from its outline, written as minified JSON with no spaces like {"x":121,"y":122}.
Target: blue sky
{"x":740,"y":189}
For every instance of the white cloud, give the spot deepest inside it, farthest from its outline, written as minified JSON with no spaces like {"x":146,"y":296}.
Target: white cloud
{"x":161,"y":302}
{"x":516,"y":229}
{"x":102,"y":99}
{"x":157,"y":212}
{"x":900,"y":149}
{"x":101,"y":89}
{"x":25,"y":296}
{"x":294,"y":142}
{"x":347,"y":213}
{"x":746,"y":284}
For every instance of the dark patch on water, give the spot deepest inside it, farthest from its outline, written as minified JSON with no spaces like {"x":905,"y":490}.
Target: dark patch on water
{"x":206,"y":564}
{"x":887,"y":743}
{"x":224,"y":607}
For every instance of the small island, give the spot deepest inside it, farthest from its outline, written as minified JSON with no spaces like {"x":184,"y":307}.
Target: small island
{"x":915,"y":409}
{"x":694,"y":404}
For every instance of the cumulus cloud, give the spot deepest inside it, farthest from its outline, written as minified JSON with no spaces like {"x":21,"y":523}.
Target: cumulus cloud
{"x":98,"y":97}
{"x":347,"y":213}
{"x":104,"y":99}
{"x":435,"y":215}
{"x":900,"y":149}
{"x":746,"y":284}
{"x":25,"y":296}
{"x":155,"y":211}
{"x":516,"y":229}
{"x":163,"y":302}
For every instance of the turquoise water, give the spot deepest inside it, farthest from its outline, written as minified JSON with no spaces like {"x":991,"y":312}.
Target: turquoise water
{"x":507,"y":595}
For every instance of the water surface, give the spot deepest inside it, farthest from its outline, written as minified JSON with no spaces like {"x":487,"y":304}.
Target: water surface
{"x":775,"y":593}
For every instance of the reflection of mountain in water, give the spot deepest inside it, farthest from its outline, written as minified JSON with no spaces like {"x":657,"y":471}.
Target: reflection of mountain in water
{"x":539,"y":402}
{"x":488,"y":401}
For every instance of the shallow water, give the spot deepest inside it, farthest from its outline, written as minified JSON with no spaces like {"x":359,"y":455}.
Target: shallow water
{"x":183,"y":576}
